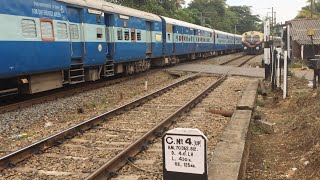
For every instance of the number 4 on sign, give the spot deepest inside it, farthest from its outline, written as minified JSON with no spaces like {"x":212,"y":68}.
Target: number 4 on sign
{"x":188,"y":141}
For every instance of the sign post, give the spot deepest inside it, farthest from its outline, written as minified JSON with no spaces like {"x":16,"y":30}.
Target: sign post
{"x":184,"y":155}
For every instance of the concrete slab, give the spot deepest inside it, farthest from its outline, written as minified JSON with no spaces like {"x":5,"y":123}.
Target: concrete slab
{"x":237,"y":130}
{"x":217,"y":69}
{"x":248,"y":99}
{"x":308,"y":73}
{"x":230,"y":156}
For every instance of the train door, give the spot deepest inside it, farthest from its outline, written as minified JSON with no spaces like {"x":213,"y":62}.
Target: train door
{"x":109,"y":35}
{"x":77,"y":45}
{"x":196,"y":40}
{"x":170,"y":39}
{"x":175,"y":39}
{"x":76,"y":30}
{"x":149,"y":37}
{"x":193,"y":40}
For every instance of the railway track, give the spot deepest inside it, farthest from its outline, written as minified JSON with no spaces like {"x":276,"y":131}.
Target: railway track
{"x":239,"y":61}
{"x":103,"y":144}
{"x":148,"y":164}
{"x":13,"y":102}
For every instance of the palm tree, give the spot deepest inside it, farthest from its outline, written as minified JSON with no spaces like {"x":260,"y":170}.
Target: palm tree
{"x":310,"y":11}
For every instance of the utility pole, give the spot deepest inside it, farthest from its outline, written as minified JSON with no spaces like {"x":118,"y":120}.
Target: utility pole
{"x":311,"y":8}
{"x":235,"y":29}
{"x":272,"y":18}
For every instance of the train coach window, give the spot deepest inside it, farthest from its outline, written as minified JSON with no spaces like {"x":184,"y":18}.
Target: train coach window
{"x":74,"y":31}
{"x":119,"y":34}
{"x":158,"y":37}
{"x":126,"y":35}
{"x":256,"y":38}
{"x":139,"y":35}
{"x":169,"y":37}
{"x":29,"y":29}
{"x":133,"y":35}
{"x":62,"y":30}
{"x":99,"y":33}
{"x":47,"y":30}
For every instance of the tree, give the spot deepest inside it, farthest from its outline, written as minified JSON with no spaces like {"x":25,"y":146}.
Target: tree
{"x":210,"y":12}
{"x":305,"y":12}
{"x":214,"y":14}
{"x":160,"y":7}
{"x":188,"y":15}
{"x":245,"y":20}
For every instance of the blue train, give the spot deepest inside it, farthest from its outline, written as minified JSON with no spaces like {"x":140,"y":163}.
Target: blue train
{"x":45,"y":44}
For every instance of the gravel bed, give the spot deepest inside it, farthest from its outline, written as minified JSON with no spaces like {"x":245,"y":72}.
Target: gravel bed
{"x":41,"y":120}
{"x":255,"y":62}
{"x":124,"y":133}
{"x":225,"y":97}
{"x":220,"y":59}
{"x":252,"y":63}
{"x":237,"y":62}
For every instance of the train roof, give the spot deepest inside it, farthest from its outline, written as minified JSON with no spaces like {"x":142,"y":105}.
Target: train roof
{"x":253,"y":33}
{"x":224,"y":33}
{"x":185,"y":24}
{"x":110,"y":7}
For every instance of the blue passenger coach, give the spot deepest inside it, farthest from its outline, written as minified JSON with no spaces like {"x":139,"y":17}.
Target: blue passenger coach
{"x":45,"y":44}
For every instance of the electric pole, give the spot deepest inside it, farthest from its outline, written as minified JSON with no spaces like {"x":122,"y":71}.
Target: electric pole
{"x":311,"y":8}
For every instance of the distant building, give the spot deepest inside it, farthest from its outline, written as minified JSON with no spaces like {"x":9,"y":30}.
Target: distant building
{"x":301,"y":42}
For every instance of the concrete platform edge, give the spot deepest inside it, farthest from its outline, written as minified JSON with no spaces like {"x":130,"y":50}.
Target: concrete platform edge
{"x":229,"y":160}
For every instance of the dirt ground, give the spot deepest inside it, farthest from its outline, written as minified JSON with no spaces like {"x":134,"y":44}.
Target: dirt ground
{"x":292,"y":151}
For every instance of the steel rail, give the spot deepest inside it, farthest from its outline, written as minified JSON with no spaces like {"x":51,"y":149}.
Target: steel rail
{"x":38,"y":147}
{"x":231,"y":60}
{"x":247,"y":60}
{"x":110,"y":168}
{"x":64,"y":93}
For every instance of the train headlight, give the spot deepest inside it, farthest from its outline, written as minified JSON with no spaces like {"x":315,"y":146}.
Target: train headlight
{"x":245,"y":48}
{"x":257,"y":48}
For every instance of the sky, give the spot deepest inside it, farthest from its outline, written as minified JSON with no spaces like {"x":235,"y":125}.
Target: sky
{"x":285,"y":9}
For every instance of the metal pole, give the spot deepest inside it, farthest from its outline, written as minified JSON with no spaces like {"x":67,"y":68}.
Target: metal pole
{"x":311,"y":8}
{"x":201,"y":23}
{"x":235,"y":29}
{"x":272,"y":19}
{"x":288,"y":42}
{"x":285,"y":76}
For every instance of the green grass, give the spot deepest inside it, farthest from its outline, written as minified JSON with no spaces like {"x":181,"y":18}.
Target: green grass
{"x":260,"y":103}
{"x":296,"y":65}
{"x":291,"y":73}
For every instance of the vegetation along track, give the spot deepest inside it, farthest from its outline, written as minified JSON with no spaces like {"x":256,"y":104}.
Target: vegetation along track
{"x":96,"y":148}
